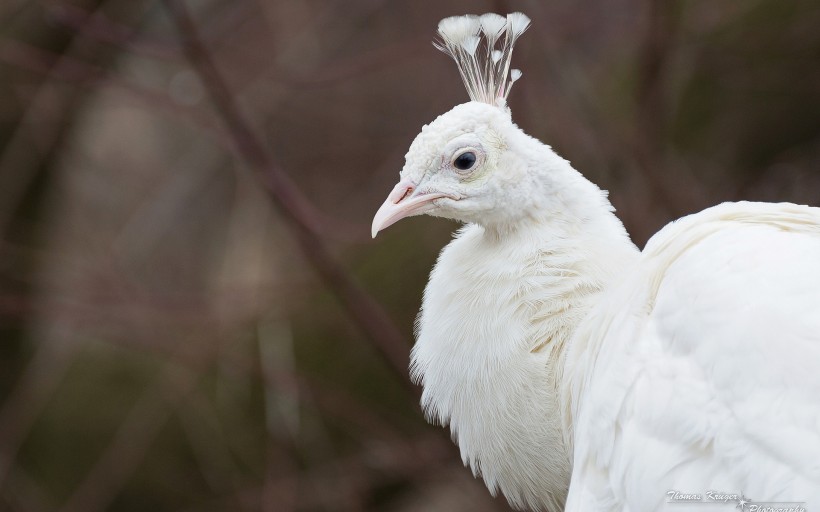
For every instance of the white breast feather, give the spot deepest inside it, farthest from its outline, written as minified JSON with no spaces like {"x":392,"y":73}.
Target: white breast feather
{"x":495,"y":317}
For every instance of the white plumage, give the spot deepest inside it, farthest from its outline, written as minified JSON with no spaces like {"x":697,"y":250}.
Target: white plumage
{"x":576,"y":371}
{"x":699,"y":371}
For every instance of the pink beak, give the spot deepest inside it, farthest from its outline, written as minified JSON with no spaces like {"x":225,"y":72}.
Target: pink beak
{"x":402,"y":202}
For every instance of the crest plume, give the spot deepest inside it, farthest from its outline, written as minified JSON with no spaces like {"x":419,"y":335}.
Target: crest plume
{"x":482,"y":47}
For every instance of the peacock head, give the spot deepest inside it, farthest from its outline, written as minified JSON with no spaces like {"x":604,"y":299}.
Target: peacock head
{"x":463,"y":165}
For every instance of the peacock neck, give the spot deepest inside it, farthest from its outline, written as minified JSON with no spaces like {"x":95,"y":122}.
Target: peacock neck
{"x":499,"y":310}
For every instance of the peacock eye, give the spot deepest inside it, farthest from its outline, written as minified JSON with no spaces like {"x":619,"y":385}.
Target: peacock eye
{"x":464,"y":161}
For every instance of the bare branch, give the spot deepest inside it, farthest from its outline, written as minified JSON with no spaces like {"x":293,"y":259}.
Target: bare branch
{"x":296,"y":210}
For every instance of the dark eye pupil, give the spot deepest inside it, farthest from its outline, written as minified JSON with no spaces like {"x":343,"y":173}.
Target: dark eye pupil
{"x":465,"y":160}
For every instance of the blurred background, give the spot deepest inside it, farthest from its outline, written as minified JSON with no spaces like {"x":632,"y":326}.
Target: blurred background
{"x":192,"y":313}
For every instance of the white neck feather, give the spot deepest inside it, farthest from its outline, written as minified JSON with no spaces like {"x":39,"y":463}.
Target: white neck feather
{"x":502,"y":303}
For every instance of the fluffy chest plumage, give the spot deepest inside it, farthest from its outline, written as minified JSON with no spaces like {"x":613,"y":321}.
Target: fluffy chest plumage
{"x":493,"y":321}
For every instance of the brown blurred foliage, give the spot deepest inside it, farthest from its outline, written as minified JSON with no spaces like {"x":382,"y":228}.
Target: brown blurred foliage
{"x":185,"y":196}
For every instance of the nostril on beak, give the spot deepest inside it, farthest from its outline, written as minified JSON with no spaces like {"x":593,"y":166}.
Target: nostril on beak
{"x":406,"y":193}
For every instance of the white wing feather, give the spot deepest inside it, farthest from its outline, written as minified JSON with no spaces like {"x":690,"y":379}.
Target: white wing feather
{"x":702,"y":370}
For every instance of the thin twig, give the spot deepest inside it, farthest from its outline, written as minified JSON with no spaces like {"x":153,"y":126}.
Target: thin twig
{"x":672,"y":192}
{"x":130,"y":443}
{"x":29,"y":397}
{"x":99,"y":27}
{"x":75,"y":71}
{"x":69,"y":69}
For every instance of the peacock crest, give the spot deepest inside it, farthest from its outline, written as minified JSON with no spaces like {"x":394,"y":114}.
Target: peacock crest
{"x":482,"y":47}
